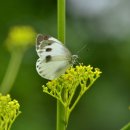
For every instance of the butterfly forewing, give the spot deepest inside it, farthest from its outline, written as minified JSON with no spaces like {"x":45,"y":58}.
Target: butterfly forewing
{"x":50,"y":45}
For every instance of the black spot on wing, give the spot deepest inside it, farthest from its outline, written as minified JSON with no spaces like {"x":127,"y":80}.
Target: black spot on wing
{"x":48,"y":58}
{"x":48,"y":49}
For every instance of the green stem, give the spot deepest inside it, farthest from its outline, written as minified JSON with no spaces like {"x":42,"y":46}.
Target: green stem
{"x":80,"y":95}
{"x":61,"y":20}
{"x":11,"y":72}
{"x":61,"y":125}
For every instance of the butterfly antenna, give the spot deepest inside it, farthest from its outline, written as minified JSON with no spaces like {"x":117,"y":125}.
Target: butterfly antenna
{"x":81,"y":49}
{"x":79,"y":58}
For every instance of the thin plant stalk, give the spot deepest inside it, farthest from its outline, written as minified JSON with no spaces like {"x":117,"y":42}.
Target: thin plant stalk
{"x":11,"y":72}
{"x":61,"y":20}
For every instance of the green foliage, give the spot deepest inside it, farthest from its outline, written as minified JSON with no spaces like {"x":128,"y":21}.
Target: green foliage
{"x":18,"y":40}
{"x":126,"y":127}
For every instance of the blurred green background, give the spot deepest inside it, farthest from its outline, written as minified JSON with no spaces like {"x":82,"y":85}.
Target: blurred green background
{"x":104,"y":25}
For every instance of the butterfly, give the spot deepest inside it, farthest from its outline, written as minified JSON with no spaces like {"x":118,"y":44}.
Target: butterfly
{"x":54,"y":57}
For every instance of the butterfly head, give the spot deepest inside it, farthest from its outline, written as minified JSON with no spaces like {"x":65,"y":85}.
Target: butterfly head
{"x":74,"y":59}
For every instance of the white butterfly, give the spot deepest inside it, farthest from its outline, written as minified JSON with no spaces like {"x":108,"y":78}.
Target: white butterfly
{"x":54,"y":57}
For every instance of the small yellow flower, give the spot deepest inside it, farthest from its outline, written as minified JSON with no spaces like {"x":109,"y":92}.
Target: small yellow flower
{"x":83,"y":76}
{"x":66,"y":86}
{"x":20,"y":37}
{"x":9,"y":110}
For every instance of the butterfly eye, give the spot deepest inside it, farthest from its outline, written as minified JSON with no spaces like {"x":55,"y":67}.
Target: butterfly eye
{"x":48,"y":58}
{"x":48,"y":49}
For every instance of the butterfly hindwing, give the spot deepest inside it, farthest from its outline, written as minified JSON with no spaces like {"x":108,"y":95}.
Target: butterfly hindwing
{"x":51,"y":69}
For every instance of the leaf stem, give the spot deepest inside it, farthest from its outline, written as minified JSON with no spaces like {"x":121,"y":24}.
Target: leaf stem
{"x":11,"y":72}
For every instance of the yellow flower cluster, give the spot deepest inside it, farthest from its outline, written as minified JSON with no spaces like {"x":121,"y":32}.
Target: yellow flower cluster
{"x":20,"y":37}
{"x":9,"y":110}
{"x":64,"y":87}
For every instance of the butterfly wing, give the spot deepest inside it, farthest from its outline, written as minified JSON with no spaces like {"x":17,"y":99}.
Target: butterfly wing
{"x":54,"y":57}
{"x":51,"y":69}
{"x":51,"y":45}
